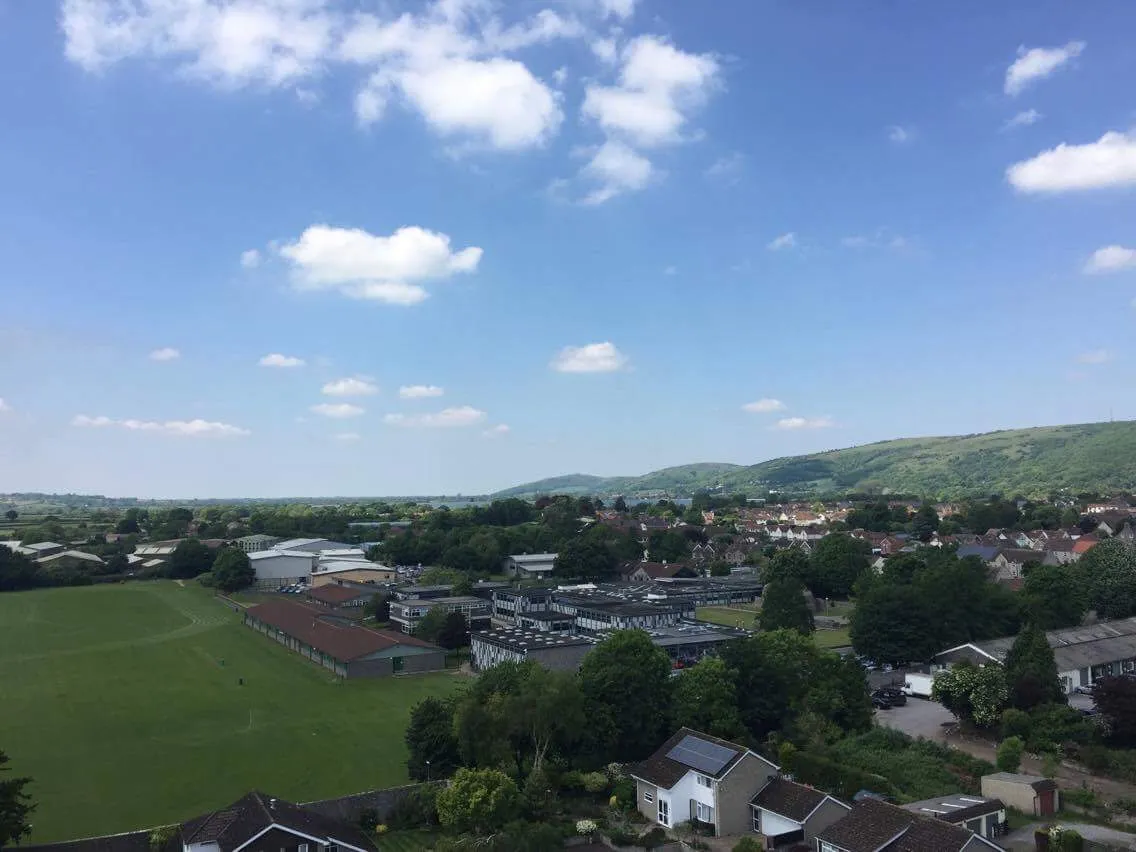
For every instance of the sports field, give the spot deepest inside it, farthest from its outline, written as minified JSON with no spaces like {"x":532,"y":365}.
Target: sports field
{"x":123,"y":703}
{"x":744,"y":615}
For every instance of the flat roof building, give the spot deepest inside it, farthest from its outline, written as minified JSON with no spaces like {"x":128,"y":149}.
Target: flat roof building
{"x":489,"y":648}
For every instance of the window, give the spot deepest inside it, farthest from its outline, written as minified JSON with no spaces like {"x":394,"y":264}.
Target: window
{"x":705,"y":781}
{"x":664,"y":812}
{"x":757,"y":821}
{"x":647,"y":797}
{"x":303,"y":847}
{"x":703,"y":813}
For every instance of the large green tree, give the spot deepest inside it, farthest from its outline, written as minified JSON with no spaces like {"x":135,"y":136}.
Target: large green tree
{"x":706,"y":699}
{"x":787,"y":564}
{"x":836,"y":564}
{"x":479,"y":801}
{"x":1115,"y":698}
{"x":432,"y":748}
{"x":626,"y":681}
{"x":1031,"y":672}
{"x":1108,"y":570}
{"x":232,"y":570}
{"x":15,"y":806}
{"x":1054,"y":596}
{"x":189,"y":559}
{"x":454,"y":633}
{"x":784,"y":607}
{"x":889,"y":624}
{"x":586,"y":559}
{"x":16,"y":571}
{"x":976,"y":694}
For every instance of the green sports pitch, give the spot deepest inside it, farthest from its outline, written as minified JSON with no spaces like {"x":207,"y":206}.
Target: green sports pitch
{"x":126,"y":706}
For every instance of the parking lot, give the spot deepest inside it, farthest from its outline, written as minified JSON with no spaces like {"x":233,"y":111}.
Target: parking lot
{"x":920,"y":717}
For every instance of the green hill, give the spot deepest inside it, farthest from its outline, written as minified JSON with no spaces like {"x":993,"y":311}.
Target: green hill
{"x":1099,"y":457}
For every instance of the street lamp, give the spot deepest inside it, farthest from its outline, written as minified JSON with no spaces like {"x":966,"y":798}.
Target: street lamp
{"x":427,"y":771}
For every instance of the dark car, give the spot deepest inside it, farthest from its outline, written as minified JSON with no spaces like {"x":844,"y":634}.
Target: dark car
{"x":894,"y":697}
{"x":881,"y":702}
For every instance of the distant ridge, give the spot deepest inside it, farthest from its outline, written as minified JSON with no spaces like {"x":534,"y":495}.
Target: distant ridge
{"x":1097,"y":457}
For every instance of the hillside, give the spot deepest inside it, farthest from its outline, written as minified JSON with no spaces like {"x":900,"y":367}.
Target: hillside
{"x":1099,"y":457}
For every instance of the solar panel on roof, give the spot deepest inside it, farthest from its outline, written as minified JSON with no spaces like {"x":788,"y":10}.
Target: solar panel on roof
{"x":701,"y":755}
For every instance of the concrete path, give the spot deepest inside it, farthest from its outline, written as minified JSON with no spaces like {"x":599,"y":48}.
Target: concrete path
{"x":1022,"y":839}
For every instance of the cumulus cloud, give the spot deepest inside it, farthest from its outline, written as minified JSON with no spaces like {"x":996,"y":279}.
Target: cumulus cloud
{"x":361,"y":265}
{"x":464,"y":415}
{"x":898,"y":135}
{"x":419,"y":391}
{"x":182,"y":428}
{"x":617,"y":169}
{"x":658,"y":85}
{"x":796,"y":423}
{"x":1037,"y":63}
{"x":1095,"y":356}
{"x":764,"y":406}
{"x":4,"y":406}
{"x":1111,"y":259}
{"x":1108,"y":162}
{"x":497,"y":431}
{"x":250,"y":259}
{"x":591,"y":358}
{"x":1023,"y":119}
{"x":353,"y":386}
{"x":166,"y":353}
{"x":337,"y":410}
{"x":275,"y":359}
{"x":785,"y":241}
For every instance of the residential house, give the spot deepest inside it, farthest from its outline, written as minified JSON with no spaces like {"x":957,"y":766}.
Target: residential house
{"x":1108,"y":506}
{"x":1084,"y":544}
{"x":703,"y":553}
{"x":1083,"y":654}
{"x":696,"y":777}
{"x":642,"y":572}
{"x":873,"y":825}
{"x":984,"y":816}
{"x":786,"y":813}
{"x":1030,"y":794}
{"x":1058,"y":552}
{"x":1111,"y":523}
{"x":344,"y":647}
{"x":1009,"y":563}
{"x":530,"y":566}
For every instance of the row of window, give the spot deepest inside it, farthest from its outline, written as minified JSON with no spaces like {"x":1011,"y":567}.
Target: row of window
{"x":703,"y":813}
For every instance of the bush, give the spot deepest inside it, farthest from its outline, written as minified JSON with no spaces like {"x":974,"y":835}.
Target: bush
{"x":1016,"y":723}
{"x":594,"y":782}
{"x":1054,"y":725}
{"x":1082,"y":797}
{"x":418,"y":809}
{"x":1010,"y":754}
{"x":748,"y":844}
{"x":625,"y":792}
{"x":654,"y":838}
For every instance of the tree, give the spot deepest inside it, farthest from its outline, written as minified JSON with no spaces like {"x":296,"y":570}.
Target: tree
{"x":430,"y":626}
{"x":587,"y":559}
{"x":706,"y":699}
{"x":1115,"y":699}
{"x":1108,"y":570}
{"x":15,"y":806}
{"x":379,"y":606}
{"x":189,"y":559}
{"x":626,"y":681}
{"x":668,"y":546}
{"x":620,"y":505}
{"x":479,"y":801}
{"x":17,"y":571}
{"x":925,"y":523}
{"x":787,"y":564}
{"x":1054,"y":597}
{"x":974,"y":694}
{"x":1009,"y":755}
{"x":11,"y":514}
{"x":1031,"y":671}
{"x":836,"y":564}
{"x":718,"y":568}
{"x":232,"y":570}
{"x":454,"y":632}
{"x":783,"y":607}
{"x":432,"y":748}
{"x":889,"y":624}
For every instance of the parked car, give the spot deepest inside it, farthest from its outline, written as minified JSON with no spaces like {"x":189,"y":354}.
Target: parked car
{"x":881,"y":702}
{"x":893,"y":695}
{"x":1084,"y":690}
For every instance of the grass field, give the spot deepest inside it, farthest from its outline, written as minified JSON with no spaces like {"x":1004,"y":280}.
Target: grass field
{"x":743,"y":616}
{"x":123,"y":704}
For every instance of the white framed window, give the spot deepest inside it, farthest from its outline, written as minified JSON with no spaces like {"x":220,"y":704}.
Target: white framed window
{"x":705,"y":781}
{"x":303,"y":847}
{"x":647,"y":797}
{"x":757,"y":821}
{"x":703,"y":813}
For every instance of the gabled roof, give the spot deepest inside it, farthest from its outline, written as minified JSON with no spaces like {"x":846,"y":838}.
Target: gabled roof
{"x":876,"y":826}
{"x":70,"y":554}
{"x":789,"y":799}
{"x":233,"y":827}
{"x":332,"y":594}
{"x":664,"y":771}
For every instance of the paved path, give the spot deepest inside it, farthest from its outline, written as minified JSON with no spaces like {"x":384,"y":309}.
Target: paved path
{"x":1022,"y":839}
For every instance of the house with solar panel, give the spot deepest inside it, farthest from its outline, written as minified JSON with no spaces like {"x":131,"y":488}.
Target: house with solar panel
{"x":694,"y":777}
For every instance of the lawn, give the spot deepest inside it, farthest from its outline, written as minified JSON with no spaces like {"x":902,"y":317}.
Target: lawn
{"x":744,"y":617}
{"x":123,"y":703}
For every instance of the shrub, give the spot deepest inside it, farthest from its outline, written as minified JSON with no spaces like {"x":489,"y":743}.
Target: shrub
{"x":1016,"y":723}
{"x":1054,"y":725}
{"x":418,"y":809}
{"x":594,"y":782}
{"x":624,"y":792}
{"x":1082,"y":797}
{"x":748,"y":844}
{"x":1010,"y":754}
{"x":654,"y":838}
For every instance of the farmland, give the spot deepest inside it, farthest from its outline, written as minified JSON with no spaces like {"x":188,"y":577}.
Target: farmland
{"x":125,"y":704}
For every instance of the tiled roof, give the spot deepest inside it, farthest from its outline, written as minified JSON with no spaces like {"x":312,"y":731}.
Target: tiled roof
{"x":873,"y":825}
{"x":788,"y":799}
{"x":342,"y":642}
{"x":235,"y":825}
{"x":332,"y":594}
{"x":665,"y":772}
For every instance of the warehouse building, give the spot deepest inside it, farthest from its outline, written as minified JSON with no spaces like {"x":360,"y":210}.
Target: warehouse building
{"x":275,"y":567}
{"x":338,"y":571}
{"x":347,"y":649}
{"x":489,"y":648}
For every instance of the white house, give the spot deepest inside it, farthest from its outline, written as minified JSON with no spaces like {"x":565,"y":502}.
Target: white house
{"x":275,"y":568}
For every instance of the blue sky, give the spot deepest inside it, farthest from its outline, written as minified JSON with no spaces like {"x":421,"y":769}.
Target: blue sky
{"x":491,"y":242}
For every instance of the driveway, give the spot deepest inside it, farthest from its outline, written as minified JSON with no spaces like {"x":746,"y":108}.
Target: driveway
{"x":1022,"y":839}
{"x":918,"y":718}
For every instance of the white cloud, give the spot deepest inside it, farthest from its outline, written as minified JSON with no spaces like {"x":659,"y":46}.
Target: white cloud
{"x":464,"y":415}
{"x":1038,"y":63}
{"x":229,"y":42}
{"x":622,"y":9}
{"x":1108,"y":162}
{"x":354,"y":386}
{"x":183,"y":428}
{"x":727,"y":167}
{"x":346,"y":437}
{"x":796,"y":423}
{"x":166,"y":353}
{"x":560,"y":76}
{"x":617,"y":169}
{"x":1023,"y":119}
{"x":785,"y":241}
{"x":496,"y":431}
{"x":898,"y":135}
{"x":1096,"y":356}
{"x":337,"y":410}
{"x":1111,"y":259}
{"x":250,"y":259}
{"x":277,"y":360}
{"x":419,"y":391}
{"x":591,"y":358}
{"x":606,"y":50}
{"x":658,"y":84}
{"x":764,"y":406}
{"x":4,"y":406}
{"x":364,"y":266}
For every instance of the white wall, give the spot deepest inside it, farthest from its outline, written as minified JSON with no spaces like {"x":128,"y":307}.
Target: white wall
{"x":284,"y":566}
{"x":682,"y":792}
{"x":773,"y":824}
